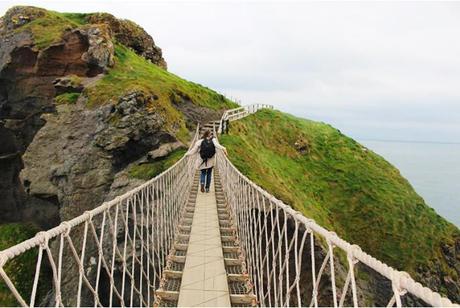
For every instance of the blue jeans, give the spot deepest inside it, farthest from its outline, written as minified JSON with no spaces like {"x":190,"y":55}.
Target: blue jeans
{"x":205,"y":177}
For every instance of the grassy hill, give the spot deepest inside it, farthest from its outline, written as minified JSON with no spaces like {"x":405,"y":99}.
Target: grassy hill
{"x":344,"y":187}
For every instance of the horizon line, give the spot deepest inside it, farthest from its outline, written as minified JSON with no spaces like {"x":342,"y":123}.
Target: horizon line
{"x":408,"y":141}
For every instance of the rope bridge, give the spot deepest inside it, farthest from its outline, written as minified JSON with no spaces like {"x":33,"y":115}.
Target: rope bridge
{"x":118,"y":253}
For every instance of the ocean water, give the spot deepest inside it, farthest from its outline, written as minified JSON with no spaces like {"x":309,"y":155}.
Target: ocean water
{"x":433,"y":169}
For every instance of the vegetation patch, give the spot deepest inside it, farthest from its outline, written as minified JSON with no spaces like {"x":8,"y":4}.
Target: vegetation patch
{"x":78,"y":18}
{"x":133,"y":72}
{"x":342,"y":185}
{"x":21,"y":269}
{"x":151,"y":170}
{"x":48,"y":28}
{"x":67,"y":98}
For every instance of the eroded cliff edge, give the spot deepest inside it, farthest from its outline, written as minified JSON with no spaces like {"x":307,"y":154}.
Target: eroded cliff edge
{"x":84,"y":98}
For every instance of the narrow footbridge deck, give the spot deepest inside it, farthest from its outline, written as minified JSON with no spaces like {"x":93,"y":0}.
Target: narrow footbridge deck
{"x":207,"y":249}
{"x":165,"y":243}
{"x":204,"y":280}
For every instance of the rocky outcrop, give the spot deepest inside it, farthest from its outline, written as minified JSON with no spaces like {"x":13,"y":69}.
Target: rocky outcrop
{"x":75,"y":156}
{"x":61,"y":154}
{"x":86,"y":51}
{"x":302,"y":146}
{"x":129,"y":34}
{"x":193,"y":113}
{"x":79,"y":158}
{"x":164,"y":150}
{"x":18,"y":16}
{"x":27,"y":88}
{"x":94,"y":145}
{"x":100,"y":47}
{"x":134,"y":130}
{"x":68,"y":84}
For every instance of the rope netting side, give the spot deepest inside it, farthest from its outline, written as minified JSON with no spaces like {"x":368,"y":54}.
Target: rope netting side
{"x":293,"y":261}
{"x":113,"y":255}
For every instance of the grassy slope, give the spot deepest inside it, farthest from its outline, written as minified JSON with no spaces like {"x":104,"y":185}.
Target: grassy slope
{"x":48,"y":29}
{"x":341,"y":185}
{"x":133,"y":73}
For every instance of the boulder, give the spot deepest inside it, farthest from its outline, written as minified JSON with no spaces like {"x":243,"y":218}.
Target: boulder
{"x":164,"y":149}
{"x":68,"y":84}
{"x":100,"y":47}
{"x":130,"y":34}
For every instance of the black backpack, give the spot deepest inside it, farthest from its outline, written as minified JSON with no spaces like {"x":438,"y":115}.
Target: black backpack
{"x":207,"y":149}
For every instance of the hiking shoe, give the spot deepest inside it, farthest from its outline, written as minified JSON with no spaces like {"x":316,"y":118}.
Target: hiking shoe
{"x":202,"y":188}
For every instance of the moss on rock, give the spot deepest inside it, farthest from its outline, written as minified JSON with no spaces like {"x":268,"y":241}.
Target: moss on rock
{"x":47,"y":27}
{"x":67,"y":98}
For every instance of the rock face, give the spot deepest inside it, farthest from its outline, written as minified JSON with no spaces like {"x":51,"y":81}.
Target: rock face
{"x":27,"y":89}
{"x":100,"y":48}
{"x":129,"y":34}
{"x":59,"y":156}
{"x":10,"y":189}
{"x":133,"y":131}
{"x":68,"y":154}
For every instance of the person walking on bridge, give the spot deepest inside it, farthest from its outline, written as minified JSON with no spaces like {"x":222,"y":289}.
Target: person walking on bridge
{"x":207,"y":147}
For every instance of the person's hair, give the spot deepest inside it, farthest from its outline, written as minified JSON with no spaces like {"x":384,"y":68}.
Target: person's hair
{"x":206,"y":134}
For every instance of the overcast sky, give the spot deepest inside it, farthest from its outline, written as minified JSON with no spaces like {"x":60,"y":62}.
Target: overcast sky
{"x":375,"y":70}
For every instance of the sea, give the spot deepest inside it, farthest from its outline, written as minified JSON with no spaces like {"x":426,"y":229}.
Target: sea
{"x":432,"y":168}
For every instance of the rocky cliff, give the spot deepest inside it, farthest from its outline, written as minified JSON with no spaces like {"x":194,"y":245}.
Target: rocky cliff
{"x":84,"y":98}
{"x":87,"y":112}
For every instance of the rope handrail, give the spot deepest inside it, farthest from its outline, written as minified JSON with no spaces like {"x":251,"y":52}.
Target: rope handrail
{"x":125,"y":242}
{"x":253,"y":209}
{"x":238,"y":113}
{"x":51,"y":233}
{"x":146,"y":216}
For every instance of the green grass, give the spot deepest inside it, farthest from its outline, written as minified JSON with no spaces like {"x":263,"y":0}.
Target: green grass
{"x":48,"y":29}
{"x":21,"y":269}
{"x":67,"y":98}
{"x":133,"y":73}
{"x":343,"y":186}
{"x":150,"y":170}
{"x":78,"y":18}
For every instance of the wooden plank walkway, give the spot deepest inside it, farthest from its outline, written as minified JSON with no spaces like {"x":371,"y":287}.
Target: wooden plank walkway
{"x":204,"y":278}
